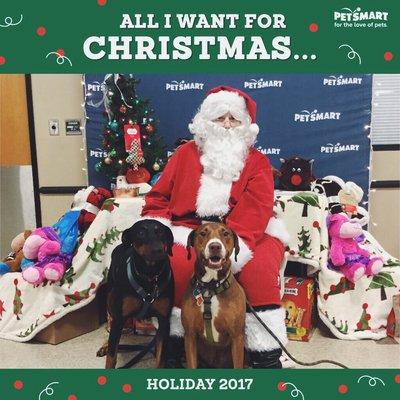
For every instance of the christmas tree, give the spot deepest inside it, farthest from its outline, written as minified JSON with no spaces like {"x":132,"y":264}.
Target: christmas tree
{"x":133,"y":148}
{"x":305,"y":242}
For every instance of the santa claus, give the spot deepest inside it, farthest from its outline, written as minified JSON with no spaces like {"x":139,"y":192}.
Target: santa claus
{"x":221,"y":176}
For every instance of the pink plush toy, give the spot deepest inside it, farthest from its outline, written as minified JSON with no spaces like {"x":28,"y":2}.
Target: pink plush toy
{"x":345,"y":253}
{"x":42,"y":248}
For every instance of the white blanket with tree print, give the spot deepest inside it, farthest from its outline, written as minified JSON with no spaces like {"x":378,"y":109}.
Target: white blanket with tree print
{"x":350,"y":311}
{"x":25,"y":309}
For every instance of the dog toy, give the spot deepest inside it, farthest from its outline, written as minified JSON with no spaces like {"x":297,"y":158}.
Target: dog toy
{"x":12,"y":263}
{"x":42,"y":250}
{"x":296,"y":174}
{"x":88,"y":202}
{"x":345,"y":253}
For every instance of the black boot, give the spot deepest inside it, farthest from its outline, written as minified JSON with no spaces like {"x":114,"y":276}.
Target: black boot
{"x":175,"y":349}
{"x":265,"y":359}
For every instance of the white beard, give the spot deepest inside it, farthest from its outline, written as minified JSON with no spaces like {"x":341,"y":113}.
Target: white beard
{"x":223,"y":151}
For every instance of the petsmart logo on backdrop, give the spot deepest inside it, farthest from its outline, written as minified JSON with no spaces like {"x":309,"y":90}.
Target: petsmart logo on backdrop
{"x":269,"y":150}
{"x":339,"y":148}
{"x":340,"y":81}
{"x":315,"y":116}
{"x":98,"y":153}
{"x":96,"y":86}
{"x":261,"y":83}
{"x":182,"y":85}
{"x":347,"y":18}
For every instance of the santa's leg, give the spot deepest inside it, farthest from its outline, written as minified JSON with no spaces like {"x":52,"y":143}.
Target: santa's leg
{"x":183,"y":270}
{"x":260,"y":281}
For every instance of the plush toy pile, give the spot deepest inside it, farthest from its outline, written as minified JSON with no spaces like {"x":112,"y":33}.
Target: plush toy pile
{"x":46,"y":252}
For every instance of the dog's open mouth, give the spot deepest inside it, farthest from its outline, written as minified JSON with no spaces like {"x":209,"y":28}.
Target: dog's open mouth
{"x":215,"y":261}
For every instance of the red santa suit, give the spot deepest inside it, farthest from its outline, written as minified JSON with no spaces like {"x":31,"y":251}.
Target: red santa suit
{"x":187,"y":193}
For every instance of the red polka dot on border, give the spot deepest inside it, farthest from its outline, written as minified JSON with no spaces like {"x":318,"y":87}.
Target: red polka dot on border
{"x":281,"y":386}
{"x":127,"y":388}
{"x":342,"y":389}
{"x":2,"y":60}
{"x":18,"y":385}
{"x":41,"y":31}
{"x":101,"y":2}
{"x":60,"y":52}
{"x":388,"y":56}
{"x":72,"y":397}
{"x":397,"y":378}
{"x":313,"y":27}
{"x":101,"y":380}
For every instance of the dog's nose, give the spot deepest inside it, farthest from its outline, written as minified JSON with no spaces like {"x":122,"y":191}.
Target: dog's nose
{"x":215,"y":247}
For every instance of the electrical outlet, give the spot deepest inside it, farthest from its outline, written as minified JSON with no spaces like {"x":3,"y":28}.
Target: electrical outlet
{"x":54,"y":127}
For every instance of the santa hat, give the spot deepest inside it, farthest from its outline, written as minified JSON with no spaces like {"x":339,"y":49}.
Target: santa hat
{"x":223,"y":99}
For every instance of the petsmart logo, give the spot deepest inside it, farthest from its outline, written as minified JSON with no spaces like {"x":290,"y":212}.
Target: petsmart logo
{"x":314,"y":116}
{"x":98,"y":153}
{"x":339,"y":148}
{"x":340,"y":81}
{"x":182,"y":85}
{"x":269,"y":150}
{"x":95,"y":86}
{"x":347,"y":15}
{"x":261,"y":83}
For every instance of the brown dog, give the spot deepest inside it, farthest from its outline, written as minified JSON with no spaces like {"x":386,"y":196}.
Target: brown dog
{"x":214,"y":304}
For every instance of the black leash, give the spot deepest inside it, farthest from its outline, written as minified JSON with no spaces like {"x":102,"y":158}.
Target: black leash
{"x":309,"y":364}
{"x":143,"y":350}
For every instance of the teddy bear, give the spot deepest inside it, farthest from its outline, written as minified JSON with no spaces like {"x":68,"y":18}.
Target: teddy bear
{"x":345,"y":253}
{"x":12,"y":263}
{"x":44,"y":260}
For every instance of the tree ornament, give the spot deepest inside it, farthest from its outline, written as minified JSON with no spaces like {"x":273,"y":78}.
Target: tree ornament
{"x":122,"y":109}
{"x":98,"y":166}
{"x":136,"y":102}
{"x":113,"y":125}
{"x":141,"y":175}
{"x":149,"y":129}
{"x":113,"y":153}
{"x":120,"y":162}
{"x":156,"y":166}
{"x":108,"y":160}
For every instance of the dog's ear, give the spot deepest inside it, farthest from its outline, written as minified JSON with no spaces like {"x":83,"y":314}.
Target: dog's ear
{"x":127,"y":236}
{"x":170,"y":239}
{"x":236,"y":244}
{"x":190,"y":243}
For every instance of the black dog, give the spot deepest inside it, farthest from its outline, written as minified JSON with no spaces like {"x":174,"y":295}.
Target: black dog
{"x":141,"y":284}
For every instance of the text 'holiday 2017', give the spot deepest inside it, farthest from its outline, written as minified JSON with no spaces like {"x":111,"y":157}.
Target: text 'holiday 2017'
{"x":183,"y":46}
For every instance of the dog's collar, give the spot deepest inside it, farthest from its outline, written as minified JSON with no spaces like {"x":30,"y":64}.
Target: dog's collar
{"x":147,"y":297}
{"x":212,"y":288}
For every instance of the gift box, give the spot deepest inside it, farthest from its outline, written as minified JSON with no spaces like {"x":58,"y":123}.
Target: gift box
{"x":299,"y":302}
{"x":76,"y":323}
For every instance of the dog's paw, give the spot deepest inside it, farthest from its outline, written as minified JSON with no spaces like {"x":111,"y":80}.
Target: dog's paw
{"x":102,"y":351}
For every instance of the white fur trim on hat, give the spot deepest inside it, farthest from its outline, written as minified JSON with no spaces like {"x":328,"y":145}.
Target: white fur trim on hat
{"x":257,"y":338}
{"x":244,"y":256}
{"x":181,"y":234}
{"x":254,"y":128}
{"x":217,"y":104}
{"x":213,"y":196}
{"x":176,"y":327}
{"x":276,"y":227}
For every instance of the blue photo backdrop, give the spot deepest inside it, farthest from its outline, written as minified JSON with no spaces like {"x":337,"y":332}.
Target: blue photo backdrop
{"x":323,"y":117}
